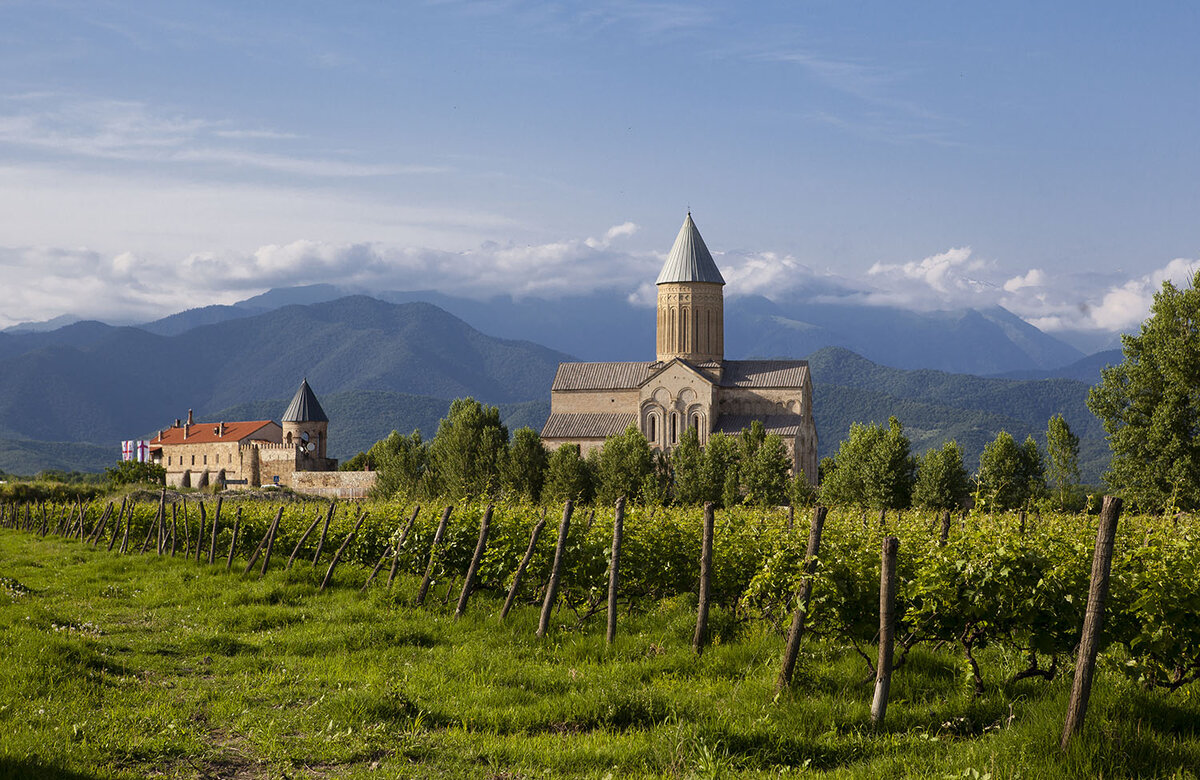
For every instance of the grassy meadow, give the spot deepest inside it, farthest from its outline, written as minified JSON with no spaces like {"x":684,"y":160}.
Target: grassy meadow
{"x":137,"y":666}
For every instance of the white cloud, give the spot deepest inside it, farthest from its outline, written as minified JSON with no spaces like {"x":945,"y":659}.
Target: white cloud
{"x":1034,"y":278}
{"x":131,"y":131}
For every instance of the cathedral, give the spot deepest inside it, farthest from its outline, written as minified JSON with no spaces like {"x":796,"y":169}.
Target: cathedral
{"x":690,"y":383}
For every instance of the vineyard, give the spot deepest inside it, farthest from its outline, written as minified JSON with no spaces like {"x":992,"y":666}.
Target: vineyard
{"x":987,"y":607}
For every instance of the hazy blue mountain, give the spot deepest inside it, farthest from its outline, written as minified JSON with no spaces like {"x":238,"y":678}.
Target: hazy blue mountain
{"x":1085,"y":370}
{"x":127,"y":381}
{"x":935,"y":406}
{"x":605,"y":325}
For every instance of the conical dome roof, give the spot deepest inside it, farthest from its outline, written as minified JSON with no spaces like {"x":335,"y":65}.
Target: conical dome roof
{"x":304,"y":406}
{"x":690,"y":260}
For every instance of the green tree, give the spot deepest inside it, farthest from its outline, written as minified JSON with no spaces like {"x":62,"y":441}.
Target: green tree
{"x":402,"y":464}
{"x":623,"y":466}
{"x":1010,"y":475}
{"x":132,"y":472}
{"x":942,"y":481}
{"x":469,"y":450}
{"x":1150,"y":406}
{"x":1062,"y":447}
{"x":719,"y":481}
{"x":763,"y":464}
{"x":872,"y":469}
{"x":687,"y":463}
{"x":567,"y":476}
{"x":525,"y":470}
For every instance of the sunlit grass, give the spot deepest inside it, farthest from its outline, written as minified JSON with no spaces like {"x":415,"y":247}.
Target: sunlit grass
{"x":132,"y":666}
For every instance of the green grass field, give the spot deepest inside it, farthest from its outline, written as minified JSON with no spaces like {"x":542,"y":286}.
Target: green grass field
{"x":145,"y":666}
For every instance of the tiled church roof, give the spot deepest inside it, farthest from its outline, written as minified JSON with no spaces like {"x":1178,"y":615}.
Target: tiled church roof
{"x":630,"y":376}
{"x":587,"y":425}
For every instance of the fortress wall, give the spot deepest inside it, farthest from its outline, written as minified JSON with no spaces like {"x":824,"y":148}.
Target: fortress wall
{"x":333,"y":484}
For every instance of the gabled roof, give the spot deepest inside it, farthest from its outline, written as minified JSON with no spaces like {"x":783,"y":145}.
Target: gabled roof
{"x":601,"y":376}
{"x":764,"y":373}
{"x":206,"y":432}
{"x":690,"y":260}
{"x":304,"y":406}
{"x":630,"y":376}
{"x":778,"y":424}
{"x":587,"y":425}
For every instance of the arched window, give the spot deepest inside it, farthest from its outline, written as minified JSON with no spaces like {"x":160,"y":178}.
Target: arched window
{"x":696,"y":423}
{"x":651,"y":434}
{"x":289,"y":437}
{"x":674,"y":427}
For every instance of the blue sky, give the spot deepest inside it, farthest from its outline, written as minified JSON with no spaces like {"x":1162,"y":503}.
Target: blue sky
{"x":155,"y":156}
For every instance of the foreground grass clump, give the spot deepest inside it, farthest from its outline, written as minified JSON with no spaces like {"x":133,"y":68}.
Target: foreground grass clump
{"x":133,"y":666}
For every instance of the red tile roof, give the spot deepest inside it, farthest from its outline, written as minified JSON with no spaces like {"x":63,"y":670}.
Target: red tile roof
{"x":205,"y":433}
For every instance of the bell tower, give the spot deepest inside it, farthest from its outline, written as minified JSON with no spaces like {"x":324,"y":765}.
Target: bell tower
{"x":305,"y":423}
{"x":691,"y":303}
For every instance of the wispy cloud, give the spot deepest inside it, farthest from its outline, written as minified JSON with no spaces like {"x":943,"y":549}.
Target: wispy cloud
{"x":131,"y":131}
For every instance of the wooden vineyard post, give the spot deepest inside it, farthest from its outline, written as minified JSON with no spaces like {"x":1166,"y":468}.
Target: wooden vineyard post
{"x":271,"y":540}
{"x":303,"y":539}
{"x":375,"y":572}
{"x":1093,"y":619}
{"x":400,"y":543}
{"x":212,"y":546}
{"x":516,"y":583}
{"x":162,"y":522}
{"x":128,"y":522}
{"x":796,"y":633}
{"x":701,"y":635}
{"x":614,"y":569}
{"x":187,"y":534}
{"x":200,"y":532}
{"x":262,"y":543}
{"x":338,"y":555}
{"x":237,"y":523}
{"x":174,"y":530}
{"x":556,"y":571}
{"x":437,"y":539}
{"x":480,"y":546}
{"x":101,"y":524}
{"x":887,"y":629}
{"x":945,"y":534}
{"x":162,"y":502}
{"x":324,"y":532}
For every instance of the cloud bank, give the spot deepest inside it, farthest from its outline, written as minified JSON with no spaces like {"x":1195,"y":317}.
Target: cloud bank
{"x":45,"y":282}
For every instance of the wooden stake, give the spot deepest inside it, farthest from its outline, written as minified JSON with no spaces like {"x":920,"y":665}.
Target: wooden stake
{"x":796,"y":633}
{"x":237,"y":522}
{"x":887,"y":630}
{"x":701,"y":635}
{"x":945,"y":529}
{"x":263,"y":543}
{"x":200,"y":533}
{"x":614,"y":569}
{"x":338,"y":555}
{"x":324,"y":532}
{"x":212,"y":546}
{"x":187,"y":534}
{"x":1093,"y":620}
{"x":174,"y":528}
{"x":400,"y":543}
{"x":516,"y":583}
{"x":303,"y":539}
{"x":480,"y":546}
{"x":271,"y":540}
{"x":437,"y":539}
{"x":556,"y":571}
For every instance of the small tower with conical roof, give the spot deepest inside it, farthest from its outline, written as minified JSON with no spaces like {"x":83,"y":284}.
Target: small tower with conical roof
{"x":305,"y":423}
{"x":691,"y":303}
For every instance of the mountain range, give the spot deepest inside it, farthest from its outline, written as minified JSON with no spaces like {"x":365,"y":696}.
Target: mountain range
{"x":68,"y":395}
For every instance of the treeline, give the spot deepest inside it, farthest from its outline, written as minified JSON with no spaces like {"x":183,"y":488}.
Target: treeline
{"x":472,"y":456}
